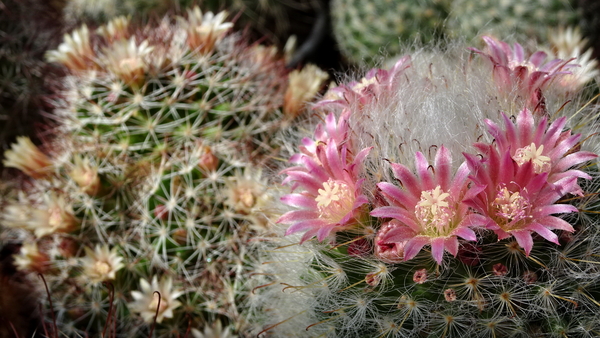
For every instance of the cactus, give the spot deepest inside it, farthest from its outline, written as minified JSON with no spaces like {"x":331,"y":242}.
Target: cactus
{"x":363,"y":29}
{"x":139,"y":212}
{"x":453,"y":195}
{"x":469,"y":19}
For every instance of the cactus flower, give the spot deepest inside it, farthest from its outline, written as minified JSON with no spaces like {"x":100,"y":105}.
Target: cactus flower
{"x":332,"y":197}
{"x":429,"y":208}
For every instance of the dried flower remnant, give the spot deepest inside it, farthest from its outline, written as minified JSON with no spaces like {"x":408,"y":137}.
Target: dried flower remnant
{"x":303,"y":85}
{"x":429,"y":208}
{"x":86,"y":176}
{"x":30,"y":258}
{"x":245,"y":191}
{"x":530,"y":277}
{"x":204,"y":30}
{"x":127,"y":60}
{"x":115,"y":29}
{"x":389,"y":252}
{"x":499,"y":269}
{"x":147,"y":301}
{"x":450,"y":295}
{"x":420,"y":276}
{"x":76,"y":52}
{"x":28,"y":158}
{"x":101,"y":264}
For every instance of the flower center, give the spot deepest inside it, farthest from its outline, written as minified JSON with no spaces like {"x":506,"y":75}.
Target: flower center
{"x":102,"y":268}
{"x":511,"y":208}
{"x":335,"y":200}
{"x":434,"y":213}
{"x":154,"y":304}
{"x":540,"y":162}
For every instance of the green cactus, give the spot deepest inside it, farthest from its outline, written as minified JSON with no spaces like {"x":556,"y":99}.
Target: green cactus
{"x":154,"y":180}
{"x":363,"y":29}
{"x":522,"y":20}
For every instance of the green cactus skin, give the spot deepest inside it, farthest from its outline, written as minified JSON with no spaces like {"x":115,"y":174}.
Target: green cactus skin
{"x":363,"y":29}
{"x":521,"y":20}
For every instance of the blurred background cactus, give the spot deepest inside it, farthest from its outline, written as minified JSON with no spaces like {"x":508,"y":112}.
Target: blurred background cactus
{"x":27,"y":30}
{"x":402,"y":224}
{"x":516,"y":19}
{"x":369,"y":31}
{"x":363,"y":29}
{"x":140,"y":209}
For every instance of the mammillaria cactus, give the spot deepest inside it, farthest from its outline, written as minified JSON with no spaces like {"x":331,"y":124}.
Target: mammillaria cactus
{"x":362,"y":28}
{"x":139,"y":212}
{"x":468,"y":19}
{"x":453,"y":195}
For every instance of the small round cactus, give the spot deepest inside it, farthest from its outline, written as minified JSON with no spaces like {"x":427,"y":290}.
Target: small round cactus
{"x":365,"y":29}
{"x":452,"y":195}
{"x":525,"y":20}
{"x":139,"y":213}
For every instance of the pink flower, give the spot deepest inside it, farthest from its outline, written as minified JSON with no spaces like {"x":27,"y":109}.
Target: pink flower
{"x":542,"y":145}
{"x":531,"y":75}
{"x":336,"y":131}
{"x":332,"y":198}
{"x":429,"y":208}
{"x":376,"y":84}
{"x":515,"y":200}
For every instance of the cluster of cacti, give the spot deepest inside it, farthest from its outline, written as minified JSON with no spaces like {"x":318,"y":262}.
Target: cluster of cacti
{"x":454,"y":195}
{"x":138,"y":212}
{"x":365,"y":30}
{"x":27,"y":29}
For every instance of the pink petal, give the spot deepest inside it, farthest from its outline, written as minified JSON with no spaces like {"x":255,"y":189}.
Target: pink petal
{"x":544,"y":232}
{"x":395,"y":195}
{"x":324,"y":231}
{"x":451,"y":244}
{"x":524,"y":239}
{"x":437,"y":249}
{"x":298,"y":215}
{"x":299,"y":201}
{"x":574,"y":159}
{"x":305,"y":225}
{"x":407,"y":179}
{"x":443,"y":163}
{"x":557,"y":209}
{"x":425,"y":175}
{"x":398,"y":234}
{"x":413,"y":246}
{"x":552,"y":222}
